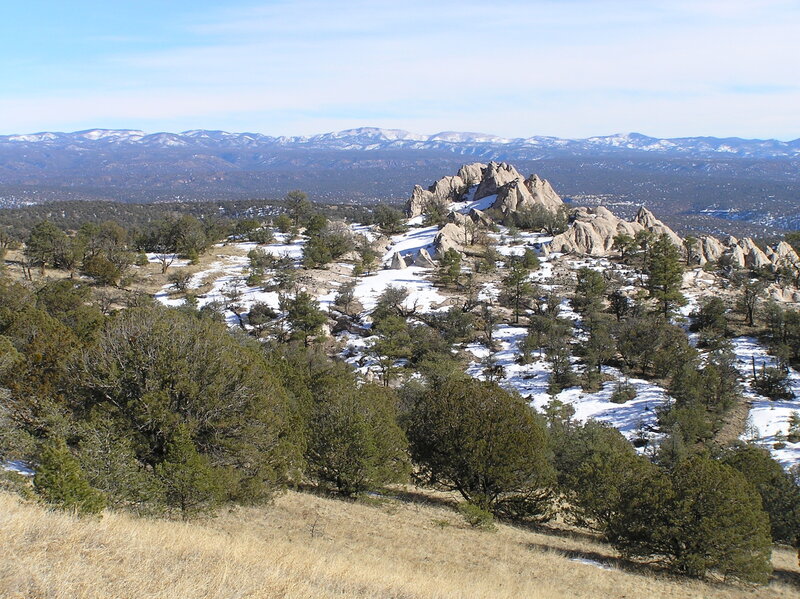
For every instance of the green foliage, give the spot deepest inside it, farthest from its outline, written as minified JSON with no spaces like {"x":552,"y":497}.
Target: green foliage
{"x":490,"y":446}
{"x":516,"y":288}
{"x":590,"y":291}
{"x":705,"y":517}
{"x":153,"y":370}
{"x":60,"y":481}
{"x":476,"y":516}
{"x":191,"y":485}
{"x":47,"y":245}
{"x":623,"y":392}
{"x":665,"y":275}
{"x":304,"y":316}
{"x":355,"y":444}
{"x":539,"y":218}
{"x":392,"y":344}
{"x":780,"y":494}
{"x":298,"y":206}
{"x":449,"y":271}
{"x":390,"y":220}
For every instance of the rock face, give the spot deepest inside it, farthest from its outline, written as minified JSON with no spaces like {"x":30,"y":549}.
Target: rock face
{"x":592,"y":231}
{"x":398,"y":263}
{"x":707,"y":249}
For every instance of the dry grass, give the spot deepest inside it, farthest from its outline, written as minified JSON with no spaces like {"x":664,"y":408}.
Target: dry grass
{"x":312,"y":547}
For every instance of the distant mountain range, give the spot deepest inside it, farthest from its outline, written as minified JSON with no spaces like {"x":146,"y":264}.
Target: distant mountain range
{"x":707,"y":184}
{"x":371,"y":138}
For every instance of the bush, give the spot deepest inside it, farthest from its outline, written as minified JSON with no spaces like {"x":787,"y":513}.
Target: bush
{"x":355,"y":444}
{"x":476,"y":516}
{"x":704,"y":517}
{"x":623,"y":392}
{"x":474,"y":437}
{"x":780,"y":495}
{"x":61,"y":482}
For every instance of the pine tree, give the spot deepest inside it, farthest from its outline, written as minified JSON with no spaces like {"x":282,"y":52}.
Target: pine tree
{"x":61,"y":482}
{"x":665,"y":275}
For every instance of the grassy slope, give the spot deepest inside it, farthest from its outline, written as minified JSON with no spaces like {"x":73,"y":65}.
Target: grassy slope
{"x":312,"y":547}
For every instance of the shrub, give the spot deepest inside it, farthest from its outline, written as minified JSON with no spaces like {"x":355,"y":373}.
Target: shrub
{"x":474,"y":437}
{"x":623,"y":392}
{"x":61,"y":482}
{"x":476,"y":516}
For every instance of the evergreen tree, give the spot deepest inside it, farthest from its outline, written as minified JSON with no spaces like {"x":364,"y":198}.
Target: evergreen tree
{"x":780,"y":494}
{"x":61,"y":482}
{"x":706,"y":519}
{"x":304,"y":316}
{"x":665,"y":275}
{"x":191,"y":485}
{"x":490,"y":446}
{"x":355,"y":443}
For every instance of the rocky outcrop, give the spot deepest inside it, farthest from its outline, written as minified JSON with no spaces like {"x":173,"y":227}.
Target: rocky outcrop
{"x":543,"y":193}
{"x":447,"y":189}
{"x":480,"y":218}
{"x":494,"y":176}
{"x":706,"y":249}
{"x":648,"y":221}
{"x":513,"y":191}
{"x":592,"y":231}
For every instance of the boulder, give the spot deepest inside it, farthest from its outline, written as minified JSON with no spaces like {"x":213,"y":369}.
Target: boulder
{"x":424,"y":260}
{"x":449,"y":237}
{"x":381,"y":245}
{"x":707,"y":249}
{"x":398,"y":263}
{"x":480,"y":218}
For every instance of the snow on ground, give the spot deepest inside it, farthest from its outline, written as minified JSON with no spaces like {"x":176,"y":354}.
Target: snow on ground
{"x":634,"y":419}
{"x":229,"y":278}
{"x":158,"y":258}
{"x":767,"y":418}
{"x":18,"y":467}
{"x":413,"y":278}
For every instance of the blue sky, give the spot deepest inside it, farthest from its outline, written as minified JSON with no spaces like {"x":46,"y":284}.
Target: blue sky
{"x":569,"y":68}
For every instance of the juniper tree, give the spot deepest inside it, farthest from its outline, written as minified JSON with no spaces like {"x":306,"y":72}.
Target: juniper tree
{"x":61,"y":482}
{"x":489,"y":445}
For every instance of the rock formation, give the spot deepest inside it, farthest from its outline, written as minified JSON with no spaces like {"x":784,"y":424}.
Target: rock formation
{"x":446,"y":189}
{"x":513,"y":191}
{"x":592,"y":231}
{"x":424,"y":260}
{"x":450,"y":236}
{"x":398,"y":263}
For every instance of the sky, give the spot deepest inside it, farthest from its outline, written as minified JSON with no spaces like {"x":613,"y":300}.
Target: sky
{"x":566,"y":68}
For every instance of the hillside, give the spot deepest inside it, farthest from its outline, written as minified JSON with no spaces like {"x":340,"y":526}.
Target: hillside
{"x":312,"y":547}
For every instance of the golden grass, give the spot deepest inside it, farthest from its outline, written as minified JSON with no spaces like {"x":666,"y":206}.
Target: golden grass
{"x":312,"y":547}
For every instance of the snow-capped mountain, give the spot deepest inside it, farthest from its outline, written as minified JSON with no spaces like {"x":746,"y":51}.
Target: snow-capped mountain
{"x":476,"y":144}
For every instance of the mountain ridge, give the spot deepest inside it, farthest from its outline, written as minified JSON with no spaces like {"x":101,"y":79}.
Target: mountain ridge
{"x":374,"y":138}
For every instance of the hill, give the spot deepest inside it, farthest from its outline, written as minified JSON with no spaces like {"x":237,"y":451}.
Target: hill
{"x":307,"y":546}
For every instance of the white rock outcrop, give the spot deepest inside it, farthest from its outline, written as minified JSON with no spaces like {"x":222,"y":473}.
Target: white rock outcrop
{"x":592,"y":231}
